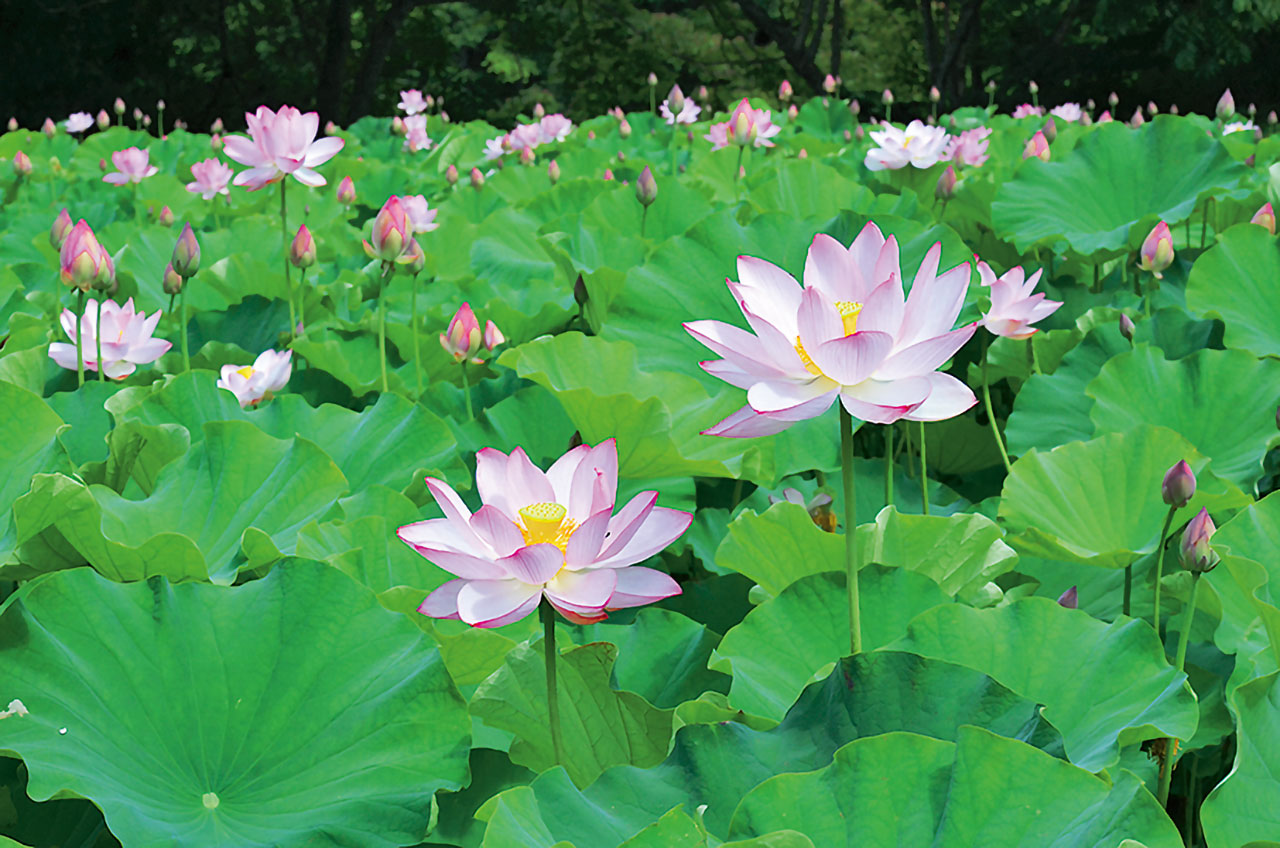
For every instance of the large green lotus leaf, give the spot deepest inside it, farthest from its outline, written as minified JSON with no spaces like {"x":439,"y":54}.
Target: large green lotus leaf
{"x":1246,"y":805}
{"x":168,"y":708}
{"x":1111,"y":687}
{"x":777,"y":839}
{"x":1222,"y":401}
{"x":236,"y":480}
{"x":678,"y":207}
{"x":83,"y":409}
{"x":64,"y":821}
{"x":807,"y":188}
{"x":901,"y":789}
{"x":783,"y":643}
{"x":601,"y":727}
{"x":28,"y":445}
{"x":1235,"y":281}
{"x":1098,"y":502}
{"x":1248,"y":582}
{"x":1115,"y":177}
{"x":491,"y":772}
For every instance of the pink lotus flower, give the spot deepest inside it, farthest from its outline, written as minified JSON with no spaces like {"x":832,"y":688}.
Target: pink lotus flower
{"x":279,"y":144}
{"x":252,"y":384}
{"x":1026,"y":110}
{"x":416,"y":137}
{"x":970,"y":147}
{"x":1105,"y":117}
{"x":1157,"y":250}
{"x":745,"y":127}
{"x":496,"y":148}
{"x":463,"y":338}
{"x":550,"y":535}
{"x":132,"y":166}
{"x":126,"y":339}
{"x":422,"y":218}
{"x":918,"y":145}
{"x":412,"y":102}
{"x":492,"y":336}
{"x":554,"y":128}
{"x":525,"y":137}
{"x":850,"y":332}
{"x":84,"y":261}
{"x":688,"y":113}
{"x":1238,"y":126}
{"x":211,"y":178}
{"x":1037,"y":147}
{"x":1013,"y":307}
{"x":1069,"y":112}
{"x":1264,"y":217}
{"x":78,"y":122}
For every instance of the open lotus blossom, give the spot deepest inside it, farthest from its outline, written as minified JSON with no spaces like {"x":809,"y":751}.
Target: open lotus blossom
{"x":412,"y":102}
{"x":554,"y":128}
{"x":849,"y":332}
{"x":279,"y":144}
{"x":496,"y":148}
{"x":78,"y":122}
{"x":416,"y":137}
{"x":211,"y":178}
{"x":687,"y":114}
{"x":1069,"y":112}
{"x":1238,"y":126}
{"x":125,"y":335}
{"x":132,"y":166}
{"x":970,"y":147}
{"x":252,"y":384}
{"x":918,"y":145}
{"x":550,"y":535}
{"x":746,"y":127}
{"x":422,"y":218}
{"x":1013,"y":306}
{"x":1026,"y":110}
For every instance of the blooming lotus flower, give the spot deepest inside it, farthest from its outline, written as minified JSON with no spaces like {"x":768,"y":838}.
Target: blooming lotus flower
{"x":496,"y":148}
{"x":1197,"y":555}
{"x":970,"y":147}
{"x":1157,"y":250}
{"x":1239,"y":126}
{"x":411,"y":102}
{"x":1037,"y":147}
{"x":850,"y":332}
{"x":84,"y":262}
{"x":125,"y":334}
{"x":251,"y":384}
{"x":78,"y":122}
{"x":463,"y":338}
{"x":422,"y":218}
{"x":416,"y":137}
{"x":550,"y":535}
{"x":1013,"y":307}
{"x":279,"y":144}
{"x":1069,"y":112}
{"x":918,"y":145}
{"x":525,"y":137}
{"x":211,"y":178}
{"x":554,"y":128}
{"x":687,"y":113}
{"x":1026,"y":110}
{"x":391,"y":231}
{"x":1265,"y":217}
{"x":132,"y":166}
{"x":745,"y":127}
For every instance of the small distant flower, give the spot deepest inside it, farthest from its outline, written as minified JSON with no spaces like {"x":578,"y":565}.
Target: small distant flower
{"x":279,"y":144}
{"x":1238,"y":126}
{"x":422,"y":218}
{"x":252,"y":384}
{"x":346,"y":192}
{"x":22,"y":164}
{"x":126,"y":339}
{"x":1013,"y":306}
{"x":132,"y":166}
{"x":1069,"y":112}
{"x":1197,"y":554}
{"x":819,"y":508}
{"x":745,"y":127}
{"x":61,"y":229}
{"x":1026,"y":110}
{"x":78,"y":122}
{"x":554,"y":128}
{"x":918,"y":145}
{"x":103,"y":120}
{"x":1265,"y":217}
{"x":1037,"y":147}
{"x":302,"y":252}
{"x":1105,"y":117}
{"x":412,"y":102}
{"x":1070,"y":599}
{"x":525,"y":136}
{"x":392,"y":230}
{"x":970,"y":147}
{"x":492,"y":336}
{"x":687,"y":114}
{"x":1226,"y":105}
{"x":416,"y":137}
{"x":211,"y":178}
{"x":829,"y":84}
{"x":785,"y":91}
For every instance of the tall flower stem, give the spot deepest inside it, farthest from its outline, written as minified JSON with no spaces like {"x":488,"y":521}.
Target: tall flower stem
{"x":850,"y":527}
{"x":466,"y":392}
{"x":413,"y":328}
{"x":387,"y":270}
{"x":1125,"y":605}
{"x":97,"y":336}
{"x":1164,"y":537}
{"x":182,"y":324}
{"x":1166,"y":771}
{"x":644,"y":217}
{"x":924,"y":473}
{"x":737,"y":169}
{"x":888,"y":465}
{"x":550,"y":655}
{"x":991,"y":415}
{"x":79,"y":333}
{"x":288,"y":278}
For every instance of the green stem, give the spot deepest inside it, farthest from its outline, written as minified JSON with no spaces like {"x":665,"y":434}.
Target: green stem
{"x":550,"y":655}
{"x":1166,"y":773}
{"x":466,"y":392}
{"x":302,"y":298}
{"x":79,"y":329}
{"x":1097,"y":282}
{"x":182,"y":323}
{"x":737,"y":170}
{"x":850,"y":534}
{"x":1164,"y":536}
{"x":888,"y":113}
{"x":991,"y":415}
{"x":413,"y":327}
{"x":924,"y":473}
{"x":288,"y":281}
{"x":737,"y":493}
{"x":888,"y":465}
{"x":382,"y":340}
{"x":1126,"y":606}
{"x":644,"y":217}
{"x":97,"y":336}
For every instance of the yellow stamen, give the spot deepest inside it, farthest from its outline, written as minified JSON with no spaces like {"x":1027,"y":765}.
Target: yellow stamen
{"x":546,"y":524}
{"x":245,"y":372}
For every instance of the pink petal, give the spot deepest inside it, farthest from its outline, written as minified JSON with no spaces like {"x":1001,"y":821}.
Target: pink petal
{"x":455,"y":511}
{"x":746,"y":423}
{"x":779,"y":395}
{"x":323,"y":150}
{"x":766,"y":289}
{"x":584,"y":544}
{"x":535,"y":564}
{"x":493,"y":603}
{"x":925,"y":356}
{"x":496,"y":530}
{"x":779,"y":347}
{"x":438,"y":540}
{"x":242,"y":150}
{"x":883,"y":309}
{"x":491,"y":479}
{"x":624,"y":525}
{"x":595,"y":482}
{"x":562,"y":470}
{"x":582,"y":592}
{"x":443,"y":602}
{"x":932,"y":308}
{"x":723,"y":369}
{"x":884,"y":402}
{"x":887,"y":263}
{"x":115,"y":178}
{"x":818,"y":319}
{"x":638,"y":585}
{"x":851,"y":359}
{"x":63,"y":354}
{"x":526,"y":483}
{"x":660,"y":528}
{"x":733,"y":343}
{"x":831,"y":268}
{"x":948,"y":397}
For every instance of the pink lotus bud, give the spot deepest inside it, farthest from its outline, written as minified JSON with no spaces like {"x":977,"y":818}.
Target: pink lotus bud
{"x":526,"y":156}
{"x":215,"y":141}
{"x":217,"y":126}
{"x":991,"y":87}
{"x":1173,"y":109}
{"x":1038,"y":147}
{"x":84,"y":261}
{"x":624,"y":128}
{"x":412,"y":260}
{"x":1033,"y":88}
{"x":347,"y":191}
{"x":160,"y":105}
{"x":539,"y":111}
{"x":1226,"y":105}
{"x":61,"y":227}
{"x":784,"y":92}
{"x":744,"y":129}
{"x":858,"y":132}
{"x":330,"y":128}
{"x":622,"y":156}
{"x":302,"y":252}
{"x":21,"y":164}
{"x":463,"y":337}
{"x":829,"y":84}
{"x":1157,"y":250}
{"x":580,"y":293}
{"x":477,"y":179}
{"x":49,"y":128}
{"x":653,"y":79}
{"x":934,"y":94}
{"x":855,"y":108}
{"x":1050,"y":130}
{"x":591,"y":135}
{"x":646,"y":187}
{"x":1264,"y":217}
{"x":848,"y":136}
{"x":1179,"y":485}
{"x":492,"y":336}
{"x":146,"y":120}
{"x":1196,"y":552}
{"x":13,"y":125}
{"x":1137,"y":120}
{"x":118,"y":106}
{"x":391,"y":231}
{"x":103,"y":119}
{"x":803,"y":154}
{"x":1113,"y":100}
{"x":1105,"y":117}
{"x":451,"y":174}
{"x":553,"y":172}
{"x":792,"y":112}
{"x":186,"y":253}
{"x":444,"y":116}
{"x":946,"y":186}
{"x":1070,"y":599}
{"x":675,"y":100}
{"x":398,"y":127}
{"x":608,"y":174}
{"x":1126,"y":327}
{"x":1272,"y":118}
{"x":1152,"y":108}
{"x":1089,"y":105}
{"x":887,"y":97}
{"x":165,"y":217}
{"x":703,"y":94}
{"x":171,"y":281}
{"x":137,"y":114}
{"x":1252,"y":109}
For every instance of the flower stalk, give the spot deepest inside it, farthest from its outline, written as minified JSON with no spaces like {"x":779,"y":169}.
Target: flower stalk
{"x":551,"y":655}
{"x":288,"y":278}
{"x":102,"y":370}
{"x":850,"y":526}
{"x":924,"y":472}
{"x":79,"y":334}
{"x":991,"y":416}
{"x":1166,"y":769}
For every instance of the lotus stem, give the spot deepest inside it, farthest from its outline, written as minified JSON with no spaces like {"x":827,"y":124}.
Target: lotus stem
{"x":550,"y":656}
{"x":413,"y":327}
{"x":97,"y":336}
{"x":466,"y":392}
{"x":924,"y":473}
{"x":1166,"y":771}
{"x":387,"y":270}
{"x":1125,"y":605}
{"x":888,"y":465}
{"x":79,"y":333}
{"x":1164,"y":536}
{"x":182,"y":324}
{"x":288,"y":278}
{"x":991,"y":415}
{"x":850,"y":528}
{"x":644,"y":217}
{"x":737,"y":171}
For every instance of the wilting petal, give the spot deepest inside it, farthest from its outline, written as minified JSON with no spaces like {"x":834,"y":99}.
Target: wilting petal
{"x":638,"y":586}
{"x":493,"y":603}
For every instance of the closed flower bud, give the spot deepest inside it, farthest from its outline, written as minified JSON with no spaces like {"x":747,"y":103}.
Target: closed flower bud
{"x":58,"y":232}
{"x":991,"y":87}
{"x":1050,"y":130}
{"x":608,"y":174}
{"x":1226,"y":105}
{"x":165,"y":217}
{"x":1033,"y":88}
{"x":48,"y":128}
{"x":1113,"y":100}
{"x":1090,"y":105}
{"x":412,"y":260}
{"x":1173,"y":109}
{"x":492,"y":336}
{"x":1264,"y":217}
{"x":171,"y":282}
{"x":1038,"y":147}
{"x":624,"y":128}
{"x":646,"y":187}
{"x":653,"y":79}
{"x":21,"y":163}
{"x":302,"y":252}
{"x":1196,"y":552}
{"x":451,"y":175}
{"x":792,"y":112}
{"x":934,"y":94}
{"x":553,"y":172}
{"x":539,"y":111}
{"x":103,"y":119}
{"x":859,"y":133}
{"x":1126,"y":327}
{"x":1252,"y":110}
{"x":186,"y":253}
{"x":463,"y":337}
{"x":1069,"y":599}
{"x":829,"y":84}
{"x":1152,"y":108}
{"x":146,"y":121}
{"x":855,"y":108}
{"x":1137,"y":120}
{"x":137,"y":114}
{"x":118,"y":106}
{"x":84,"y":262}
{"x":1157,"y":250}
{"x":803,"y":154}
{"x":391,"y":231}
{"x":887,"y":97}
{"x":1272,"y":117}
{"x":675,"y":100}
{"x":13,"y":125}
{"x":477,"y":179}
{"x":848,"y":136}
{"x":215,"y":141}
{"x":217,"y":126}
{"x":946,"y":186}
{"x":398,"y":127}
{"x":784,"y":92}
{"x":580,"y":292}
{"x":1179,"y":485}
{"x":703,"y":94}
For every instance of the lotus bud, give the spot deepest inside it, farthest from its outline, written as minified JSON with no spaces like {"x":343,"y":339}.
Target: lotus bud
{"x":186,"y":253}
{"x":1038,"y":147}
{"x":118,"y":106}
{"x":553,"y":172}
{"x":1089,"y":105}
{"x":330,"y":128}
{"x":302,"y":252}
{"x":653,"y":79}
{"x":858,"y":132}
{"x":1179,"y":485}
{"x":1137,"y":120}
{"x":946,"y":186}
{"x":13,"y":125}
{"x":165,"y":217}
{"x":103,"y":119}
{"x":137,"y":114}
{"x":1069,"y":599}
{"x":21,"y":164}
{"x":477,"y":179}
{"x":1226,"y":105}
{"x":49,"y":128}
{"x":1033,"y":88}
{"x":217,"y":126}
{"x":1157,"y":250}
{"x":146,"y":121}
{"x":451,"y":174}
{"x":675,"y":100}
{"x":792,"y":112}
{"x":102,"y":165}
{"x":608,"y":174}
{"x":444,"y":116}
{"x":171,"y":281}
{"x":391,"y":231}
{"x":1113,"y":100}
{"x":1173,"y":109}
{"x":784,"y":92}
{"x":492,"y":336}
{"x":463,"y":337}
{"x":1264,"y":217}
{"x":646,"y":187}
{"x":744,"y":130}
{"x":887,"y":97}
{"x":848,"y":136}
{"x":1152,"y":108}
{"x":580,"y":293}
{"x":1252,"y":109}
{"x":1105,"y":117}
{"x":346,"y":191}
{"x":1272,"y":118}
{"x":703,"y":94}
{"x":624,"y":128}
{"x":829,"y":84}
{"x":1050,"y":130}
{"x":539,"y":111}
{"x":398,"y":127}
{"x":1196,"y":552}
{"x":930,"y":120}
{"x":934,"y":94}
{"x":58,"y":232}
{"x":83,"y":260}
{"x":412,"y":260}
{"x":991,"y":87}
{"x":1126,"y":327}
{"x":526,"y":156}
